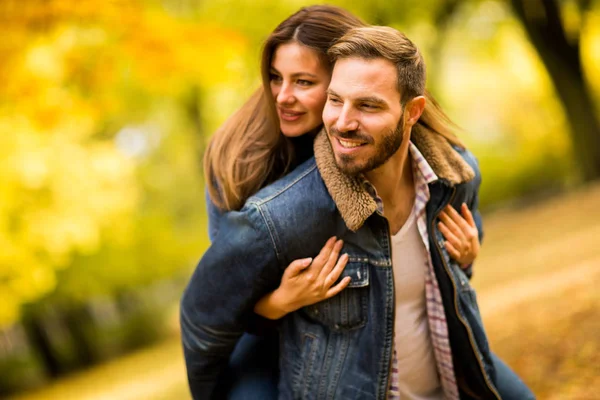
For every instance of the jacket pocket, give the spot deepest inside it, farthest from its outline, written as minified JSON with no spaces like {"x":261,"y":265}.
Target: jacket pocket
{"x":348,"y":309}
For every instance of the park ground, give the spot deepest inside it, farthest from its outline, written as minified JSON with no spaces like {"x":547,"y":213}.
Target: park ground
{"x":537,"y":281}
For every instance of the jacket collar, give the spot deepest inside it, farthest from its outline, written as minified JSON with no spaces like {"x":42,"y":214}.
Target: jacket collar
{"x":354,"y":203}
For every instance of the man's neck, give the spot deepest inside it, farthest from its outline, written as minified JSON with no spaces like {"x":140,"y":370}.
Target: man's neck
{"x":394,"y":183}
{"x":393,"y":177}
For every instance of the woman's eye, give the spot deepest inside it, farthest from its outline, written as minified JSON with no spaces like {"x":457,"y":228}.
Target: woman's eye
{"x":275,"y":78}
{"x":304,"y":82}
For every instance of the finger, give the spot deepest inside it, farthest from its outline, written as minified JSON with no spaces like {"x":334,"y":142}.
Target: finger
{"x":333,"y":258}
{"x":449,"y":235}
{"x":323,"y":255}
{"x":465,"y":265}
{"x":298,"y":266}
{"x":457,"y":218}
{"x":450,"y":224}
{"x":452,"y":251}
{"x":337,"y":271}
{"x":338,"y":288}
{"x":467,"y":215}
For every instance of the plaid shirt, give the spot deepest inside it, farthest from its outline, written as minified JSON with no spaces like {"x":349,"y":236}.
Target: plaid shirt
{"x":438,"y":329}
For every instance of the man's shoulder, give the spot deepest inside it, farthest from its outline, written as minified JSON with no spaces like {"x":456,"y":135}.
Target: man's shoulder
{"x":469,"y":158}
{"x":467,"y":190}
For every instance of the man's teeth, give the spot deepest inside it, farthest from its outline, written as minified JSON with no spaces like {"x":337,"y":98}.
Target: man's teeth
{"x":349,"y":144}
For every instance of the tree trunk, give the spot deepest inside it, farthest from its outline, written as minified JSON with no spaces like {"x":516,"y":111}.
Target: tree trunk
{"x":541,"y":20}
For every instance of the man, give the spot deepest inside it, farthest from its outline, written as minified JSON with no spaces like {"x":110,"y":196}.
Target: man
{"x":407,"y":325}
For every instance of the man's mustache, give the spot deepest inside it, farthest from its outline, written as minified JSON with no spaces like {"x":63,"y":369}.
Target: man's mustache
{"x":355,"y":135}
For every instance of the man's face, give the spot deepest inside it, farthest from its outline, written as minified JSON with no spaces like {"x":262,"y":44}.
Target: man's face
{"x":363,"y":115}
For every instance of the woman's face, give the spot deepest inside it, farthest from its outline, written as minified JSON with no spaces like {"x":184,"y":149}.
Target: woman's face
{"x":298,"y":83}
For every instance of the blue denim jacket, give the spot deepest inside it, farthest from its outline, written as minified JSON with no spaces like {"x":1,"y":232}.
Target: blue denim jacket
{"x":340,"y":348}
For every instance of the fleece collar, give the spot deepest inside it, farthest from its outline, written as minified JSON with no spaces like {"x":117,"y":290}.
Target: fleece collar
{"x":355,"y":204}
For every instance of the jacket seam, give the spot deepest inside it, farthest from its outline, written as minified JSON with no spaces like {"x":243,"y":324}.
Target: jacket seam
{"x":271,"y":230}
{"x":260,"y":201}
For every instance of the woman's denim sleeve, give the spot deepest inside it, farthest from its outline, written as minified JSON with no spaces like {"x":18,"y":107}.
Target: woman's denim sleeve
{"x":214,"y":216}
{"x":257,"y":324}
{"x":238,"y":268}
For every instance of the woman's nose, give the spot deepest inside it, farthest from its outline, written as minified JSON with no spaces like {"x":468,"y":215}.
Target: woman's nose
{"x":285,"y":95}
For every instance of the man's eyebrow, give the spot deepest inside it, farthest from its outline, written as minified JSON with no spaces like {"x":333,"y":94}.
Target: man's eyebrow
{"x":367,"y":99}
{"x":371,"y":99}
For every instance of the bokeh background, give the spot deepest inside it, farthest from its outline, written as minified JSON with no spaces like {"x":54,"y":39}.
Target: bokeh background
{"x":106,"y":108}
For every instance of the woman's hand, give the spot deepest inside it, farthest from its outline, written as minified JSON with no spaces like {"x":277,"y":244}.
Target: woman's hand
{"x":461,"y":234}
{"x":306,"y":281}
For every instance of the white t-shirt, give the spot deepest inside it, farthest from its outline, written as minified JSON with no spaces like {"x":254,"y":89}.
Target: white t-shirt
{"x":417,"y":368}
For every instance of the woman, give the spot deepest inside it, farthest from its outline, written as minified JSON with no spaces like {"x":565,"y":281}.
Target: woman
{"x":264,"y":140}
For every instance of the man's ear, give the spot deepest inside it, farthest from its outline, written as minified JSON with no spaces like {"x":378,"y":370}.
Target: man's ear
{"x":413,"y":110}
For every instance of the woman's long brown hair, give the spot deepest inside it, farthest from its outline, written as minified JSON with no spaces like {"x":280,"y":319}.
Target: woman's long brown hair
{"x":248,"y":151}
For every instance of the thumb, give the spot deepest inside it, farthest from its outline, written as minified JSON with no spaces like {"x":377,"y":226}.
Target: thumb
{"x":298,"y":266}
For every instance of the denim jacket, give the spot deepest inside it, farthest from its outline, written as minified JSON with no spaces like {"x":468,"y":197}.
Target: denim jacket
{"x":340,"y":348}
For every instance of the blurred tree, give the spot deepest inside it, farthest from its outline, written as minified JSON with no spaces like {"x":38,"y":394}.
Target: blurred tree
{"x":106,"y":107}
{"x":558,"y":44}
{"x":100,"y":113}
{"x":434,"y":17}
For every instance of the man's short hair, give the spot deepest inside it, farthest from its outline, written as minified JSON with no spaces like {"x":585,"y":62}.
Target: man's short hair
{"x":384,"y":42}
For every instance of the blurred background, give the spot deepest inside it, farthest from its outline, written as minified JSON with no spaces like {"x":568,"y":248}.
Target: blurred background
{"x":106,"y":108}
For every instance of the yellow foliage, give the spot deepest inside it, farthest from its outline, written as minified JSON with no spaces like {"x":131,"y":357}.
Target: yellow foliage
{"x":69,"y":68}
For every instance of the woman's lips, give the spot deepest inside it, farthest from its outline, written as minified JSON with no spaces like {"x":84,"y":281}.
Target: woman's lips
{"x":289,"y":115}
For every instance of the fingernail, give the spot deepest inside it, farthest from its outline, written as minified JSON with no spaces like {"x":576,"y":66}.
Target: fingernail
{"x":307,"y":261}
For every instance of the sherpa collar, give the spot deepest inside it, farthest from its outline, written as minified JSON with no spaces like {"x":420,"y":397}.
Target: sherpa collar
{"x":354,"y":203}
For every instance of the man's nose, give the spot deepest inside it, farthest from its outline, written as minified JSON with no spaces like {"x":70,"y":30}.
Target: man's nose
{"x":346,"y":120}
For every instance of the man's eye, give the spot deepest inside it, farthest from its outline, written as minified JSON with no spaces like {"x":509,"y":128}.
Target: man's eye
{"x":367,"y":106}
{"x":333,"y":100}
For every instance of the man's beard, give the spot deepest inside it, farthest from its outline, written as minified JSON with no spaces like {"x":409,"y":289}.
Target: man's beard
{"x":387,"y":147}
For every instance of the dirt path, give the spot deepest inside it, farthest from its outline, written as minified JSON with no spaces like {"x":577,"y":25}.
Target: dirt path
{"x":498,"y":300}
{"x":157,"y":373}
